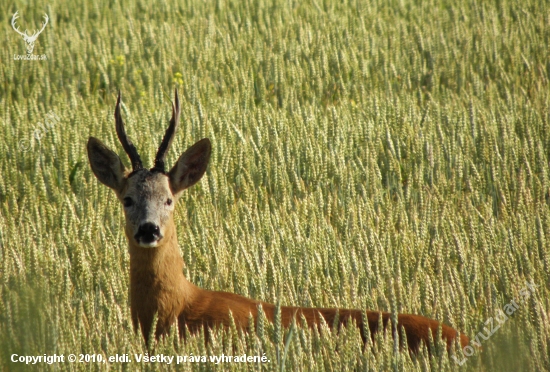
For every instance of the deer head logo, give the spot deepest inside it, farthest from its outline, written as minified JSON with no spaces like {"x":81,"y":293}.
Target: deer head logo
{"x":29,"y":39}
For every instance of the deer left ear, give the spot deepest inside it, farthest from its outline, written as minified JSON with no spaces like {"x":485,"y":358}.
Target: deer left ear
{"x":106,"y":165}
{"x":190,"y":167}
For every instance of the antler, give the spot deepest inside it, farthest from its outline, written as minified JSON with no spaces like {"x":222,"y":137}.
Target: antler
{"x":24,"y":34}
{"x":123,"y":137}
{"x":168,"y":135}
{"x":15,"y":16}
{"x":35,"y":35}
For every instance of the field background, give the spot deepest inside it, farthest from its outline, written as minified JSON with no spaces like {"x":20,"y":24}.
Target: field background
{"x":385,"y":155}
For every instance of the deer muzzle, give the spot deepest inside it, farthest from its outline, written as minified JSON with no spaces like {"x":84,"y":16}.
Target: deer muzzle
{"x":148,"y":235}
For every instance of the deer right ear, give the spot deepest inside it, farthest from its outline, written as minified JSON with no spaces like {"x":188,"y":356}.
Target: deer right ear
{"x":106,"y":165}
{"x":190,"y":167}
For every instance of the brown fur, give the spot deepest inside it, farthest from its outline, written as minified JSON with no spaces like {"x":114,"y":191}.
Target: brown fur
{"x":158,"y":285}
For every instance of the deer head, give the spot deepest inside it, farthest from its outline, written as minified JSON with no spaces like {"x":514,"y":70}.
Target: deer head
{"x":148,"y":195}
{"x":29,"y":39}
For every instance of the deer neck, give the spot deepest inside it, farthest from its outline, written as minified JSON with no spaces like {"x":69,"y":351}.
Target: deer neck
{"x":157,"y":283}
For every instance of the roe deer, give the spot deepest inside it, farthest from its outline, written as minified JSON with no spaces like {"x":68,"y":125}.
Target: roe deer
{"x":157,"y":283}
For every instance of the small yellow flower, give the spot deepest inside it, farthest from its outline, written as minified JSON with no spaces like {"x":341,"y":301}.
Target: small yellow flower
{"x":178,"y":78}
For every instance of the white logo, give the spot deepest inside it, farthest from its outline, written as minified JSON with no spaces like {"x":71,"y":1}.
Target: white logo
{"x":29,"y":39}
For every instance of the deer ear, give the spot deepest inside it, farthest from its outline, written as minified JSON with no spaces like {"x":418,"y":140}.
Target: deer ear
{"x":106,"y":165}
{"x":190,"y":167}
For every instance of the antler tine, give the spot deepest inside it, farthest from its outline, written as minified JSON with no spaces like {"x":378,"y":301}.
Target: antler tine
{"x":13,"y":19}
{"x":123,"y":138}
{"x":46,"y":18}
{"x":168,"y":135}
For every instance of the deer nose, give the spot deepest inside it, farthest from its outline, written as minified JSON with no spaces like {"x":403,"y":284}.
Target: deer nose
{"x":148,"y":232}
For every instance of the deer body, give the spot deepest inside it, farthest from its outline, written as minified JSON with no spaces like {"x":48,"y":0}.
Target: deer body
{"x":157,"y":283}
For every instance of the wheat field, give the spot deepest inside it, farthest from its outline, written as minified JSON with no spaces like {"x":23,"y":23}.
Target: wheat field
{"x":382,"y":155}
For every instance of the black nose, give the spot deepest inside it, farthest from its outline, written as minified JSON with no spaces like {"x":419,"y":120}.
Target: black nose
{"x":148,"y":233}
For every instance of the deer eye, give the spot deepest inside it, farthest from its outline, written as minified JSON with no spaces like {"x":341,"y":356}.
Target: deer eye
{"x":127,"y":202}
{"x":168,"y":201}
